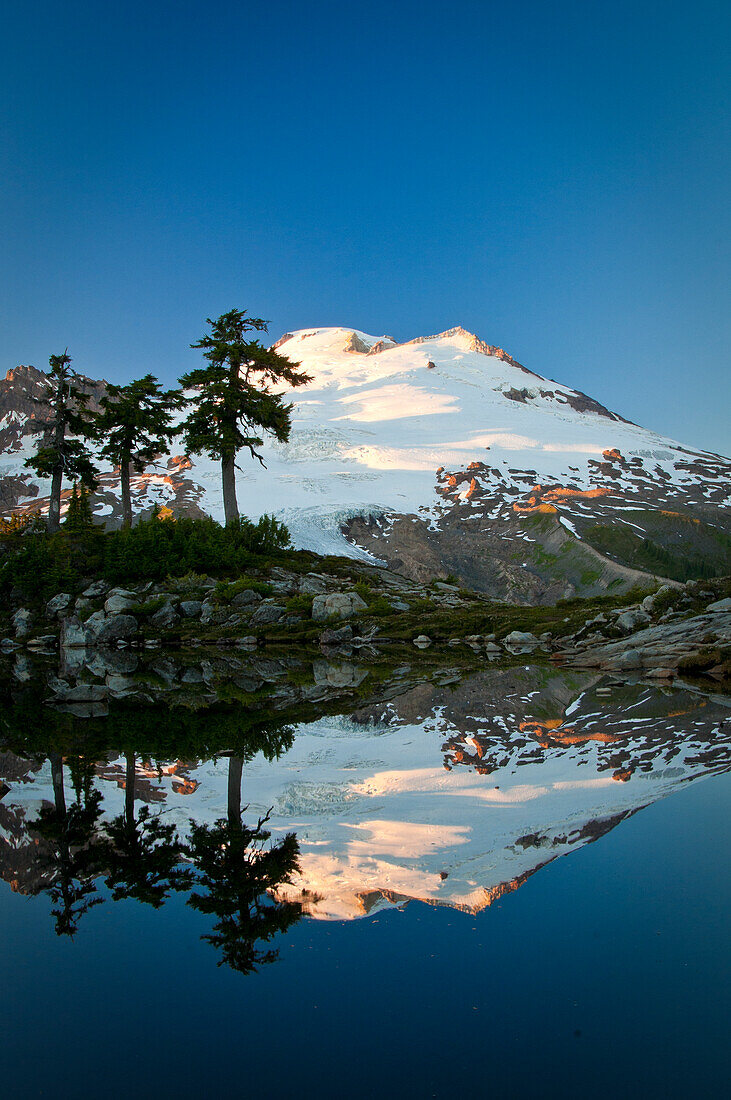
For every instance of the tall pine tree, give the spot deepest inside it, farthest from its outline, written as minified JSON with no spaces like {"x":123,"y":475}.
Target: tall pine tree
{"x":237,"y":403}
{"x":58,"y":456}
{"x":136,"y":424}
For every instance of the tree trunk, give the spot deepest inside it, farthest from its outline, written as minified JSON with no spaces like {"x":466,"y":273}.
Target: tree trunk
{"x":129,"y":790}
{"x":235,"y":770}
{"x":124,"y":477}
{"x":54,"y":504}
{"x":228,"y":476}
{"x":59,"y":795}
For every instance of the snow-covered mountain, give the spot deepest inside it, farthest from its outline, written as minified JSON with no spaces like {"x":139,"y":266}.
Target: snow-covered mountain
{"x":443,"y":455}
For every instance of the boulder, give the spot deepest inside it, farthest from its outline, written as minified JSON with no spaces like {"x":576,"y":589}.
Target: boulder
{"x":166,"y":617}
{"x":59,"y":605}
{"x":267,"y":613}
{"x":212,"y":614}
{"x":95,"y":590}
{"x":422,"y":641}
{"x":520,"y":638}
{"x":74,"y":634}
{"x":719,"y":605}
{"x":312,"y":584}
{"x":246,"y":598}
{"x":22,"y":621}
{"x":119,"y":599}
{"x":116,"y":628}
{"x":191,"y":608}
{"x":338,"y":605}
{"x":632,"y":619}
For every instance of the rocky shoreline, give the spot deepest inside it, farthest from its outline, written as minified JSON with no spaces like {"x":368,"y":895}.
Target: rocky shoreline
{"x":356,"y":608}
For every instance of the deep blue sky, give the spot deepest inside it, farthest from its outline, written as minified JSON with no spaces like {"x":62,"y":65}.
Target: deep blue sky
{"x":553,"y":175}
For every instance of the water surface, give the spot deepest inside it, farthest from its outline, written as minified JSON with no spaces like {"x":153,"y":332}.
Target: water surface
{"x":369,"y":900}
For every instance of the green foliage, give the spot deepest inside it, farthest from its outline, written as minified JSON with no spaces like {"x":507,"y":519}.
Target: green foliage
{"x":300,"y":604}
{"x":225,"y":591}
{"x":136,"y":421}
{"x":78,"y":515}
{"x":55,"y":453}
{"x":147,"y":607}
{"x":676,"y":546}
{"x":42,"y":564}
{"x":235,"y":402}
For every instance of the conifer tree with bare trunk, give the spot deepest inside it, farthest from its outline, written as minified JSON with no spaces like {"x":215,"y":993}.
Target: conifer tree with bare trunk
{"x":136,"y":424}
{"x":57,"y":455}
{"x":237,"y":400}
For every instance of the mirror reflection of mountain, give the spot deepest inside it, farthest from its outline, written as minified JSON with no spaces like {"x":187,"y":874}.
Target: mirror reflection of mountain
{"x":378,"y":785}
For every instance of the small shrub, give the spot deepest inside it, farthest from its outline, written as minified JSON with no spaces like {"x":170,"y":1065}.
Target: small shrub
{"x":225,"y":591}
{"x":300,"y":605}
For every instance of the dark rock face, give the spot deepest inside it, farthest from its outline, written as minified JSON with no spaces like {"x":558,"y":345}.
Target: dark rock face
{"x":267,"y":613}
{"x":116,"y":628}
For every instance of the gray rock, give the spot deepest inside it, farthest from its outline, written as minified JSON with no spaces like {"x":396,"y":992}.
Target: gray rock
{"x":492,"y":647}
{"x":520,"y":638}
{"x":343,"y":674}
{"x":212,"y":614}
{"x":191,"y":608}
{"x":74,"y":634}
{"x":81,"y":604}
{"x":59,"y":605}
{"x":267,"y":613}
{"x":337,"y":637}
{"x":399,"y":605}
{"x":312,"y":584}
{"x":119,"y":684}
{"x":422,"y":641}
{"x":95,"y":590}
{"x":247,"y":598}
{"x":719,"y":605}
{"x":338,"y":605}
{"x":79,"y":693}
{"x":442,"y":586}
{"x":166,"y":617}
{"x":22,"y":621}
{"x":119,"y":599}
{"x":7,"y":645}
{"x":43,"y":641}
{"x":116,"y":628}
{"x":624,"y":662}
{"x":632,"y":619}
{"x":192,"y":676}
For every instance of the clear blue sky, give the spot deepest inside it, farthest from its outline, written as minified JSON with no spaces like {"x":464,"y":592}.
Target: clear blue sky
{"x":553,"y":175}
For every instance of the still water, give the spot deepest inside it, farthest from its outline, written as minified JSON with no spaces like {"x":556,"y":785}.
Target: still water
{"x":271,"y":878}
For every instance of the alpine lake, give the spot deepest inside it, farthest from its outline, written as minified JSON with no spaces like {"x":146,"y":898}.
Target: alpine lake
{"x":296,"y":875}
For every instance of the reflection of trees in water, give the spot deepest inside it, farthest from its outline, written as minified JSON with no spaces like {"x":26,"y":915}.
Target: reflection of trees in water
{"x":232,"y":869}
{"x":144,"y":853}
{"x":73,"y":854}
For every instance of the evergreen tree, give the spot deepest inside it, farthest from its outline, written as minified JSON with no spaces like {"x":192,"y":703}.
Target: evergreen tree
{"x":56,"y":454}
{"x":136,"y":424}
{"x":236,"y":402}
{"x":78,"y":514}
